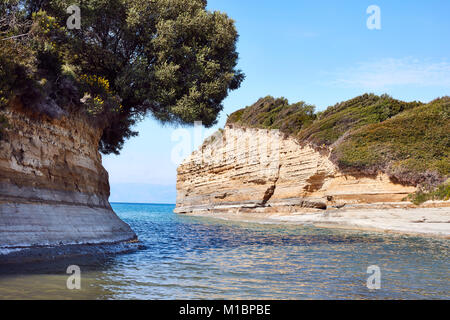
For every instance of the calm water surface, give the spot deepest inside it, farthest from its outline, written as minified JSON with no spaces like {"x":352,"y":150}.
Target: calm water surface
{"x":203,"y":258}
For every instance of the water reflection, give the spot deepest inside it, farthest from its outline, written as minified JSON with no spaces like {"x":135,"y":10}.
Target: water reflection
{"x":199,"y":258}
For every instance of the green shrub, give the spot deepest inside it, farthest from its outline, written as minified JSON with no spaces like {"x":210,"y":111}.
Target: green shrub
{"x":352,"y":114}
{"x":412,"y":147}
{"x":440,"y":193}
{"x":271,"y":113}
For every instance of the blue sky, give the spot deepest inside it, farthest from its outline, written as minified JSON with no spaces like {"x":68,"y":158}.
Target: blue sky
{"x":320,"y":52}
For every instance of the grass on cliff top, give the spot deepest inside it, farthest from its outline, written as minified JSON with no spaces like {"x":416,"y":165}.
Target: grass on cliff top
{"x":412,"y":147}
{"x":334,"y":122}
{"x":271,"y":113}
{"x":409,"y":141}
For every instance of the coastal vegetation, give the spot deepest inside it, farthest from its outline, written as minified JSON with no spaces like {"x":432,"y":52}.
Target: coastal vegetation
{"x":409,"y":141}
{"x":171,"y":59}
{"x":271,"y":113}
{"x":442,"y":192}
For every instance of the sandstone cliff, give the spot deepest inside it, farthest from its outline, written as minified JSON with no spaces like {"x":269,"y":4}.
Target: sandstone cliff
{"x":258,"y":170}
{"x":53,"y":188}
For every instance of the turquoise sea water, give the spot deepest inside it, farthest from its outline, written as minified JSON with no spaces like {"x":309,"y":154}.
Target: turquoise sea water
{"x":203,"y":258}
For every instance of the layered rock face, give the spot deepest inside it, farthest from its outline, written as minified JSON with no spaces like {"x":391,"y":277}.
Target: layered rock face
{"x":53,"y":187}
{"x":243,"y":169}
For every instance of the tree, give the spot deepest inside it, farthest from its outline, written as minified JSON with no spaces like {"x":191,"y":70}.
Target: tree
{"x":172,"y":59}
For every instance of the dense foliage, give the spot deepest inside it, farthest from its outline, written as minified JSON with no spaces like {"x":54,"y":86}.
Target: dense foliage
{"x":412,"y":147}
{"x":335,"y":121}
{"x":271,"y":113}
{"x":170,"y":58}
{"x":408,"y":141}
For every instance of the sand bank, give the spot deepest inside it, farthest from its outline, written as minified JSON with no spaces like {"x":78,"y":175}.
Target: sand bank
{"x":431,"y":222}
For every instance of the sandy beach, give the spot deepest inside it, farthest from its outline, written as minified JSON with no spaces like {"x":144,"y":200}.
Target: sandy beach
{"x":419,"y":221}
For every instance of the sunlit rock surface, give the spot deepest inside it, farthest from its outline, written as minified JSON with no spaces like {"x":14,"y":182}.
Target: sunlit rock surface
{"x":256,"y":170}
{"x":53,"y":187}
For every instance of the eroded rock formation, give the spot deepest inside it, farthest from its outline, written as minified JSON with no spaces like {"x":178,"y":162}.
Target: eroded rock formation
{"x":245,"y":169}
{"x":53,"y":187}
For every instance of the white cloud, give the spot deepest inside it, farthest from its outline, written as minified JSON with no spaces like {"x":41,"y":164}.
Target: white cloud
{"x":394,"y":72}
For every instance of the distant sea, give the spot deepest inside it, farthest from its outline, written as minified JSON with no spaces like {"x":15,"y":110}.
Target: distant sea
{"x":143,"y":192}
{"x":186,"y":257}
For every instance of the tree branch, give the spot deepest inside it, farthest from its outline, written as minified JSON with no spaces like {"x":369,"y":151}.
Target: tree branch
{"x":14,"y":37}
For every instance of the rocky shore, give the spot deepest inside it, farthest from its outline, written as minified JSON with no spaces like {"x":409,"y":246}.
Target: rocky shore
{"x":260,"y":175}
